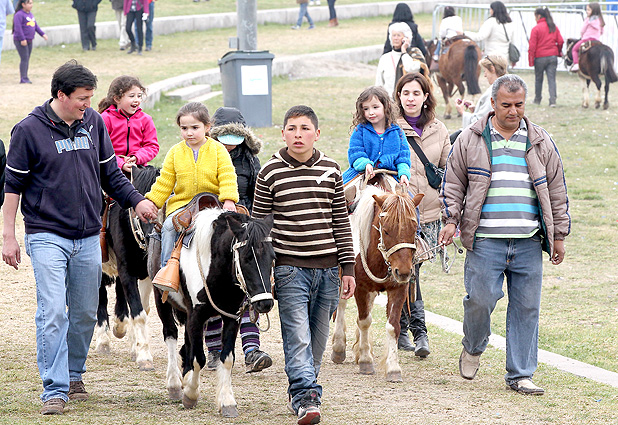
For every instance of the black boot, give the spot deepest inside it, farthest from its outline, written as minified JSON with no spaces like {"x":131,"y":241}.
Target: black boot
{"x":403,"y":342}
{"x":419,"y":330}
{"x":133,"y":49}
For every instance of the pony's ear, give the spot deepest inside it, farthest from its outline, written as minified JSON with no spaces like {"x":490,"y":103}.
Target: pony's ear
{"x":235,"y":225}
{"x":380,"y":199}
{"x":269,"y":220}
{"x":417,"y":199}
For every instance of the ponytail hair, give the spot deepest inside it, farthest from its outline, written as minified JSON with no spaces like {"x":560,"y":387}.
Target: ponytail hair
{"x":596,"y":11}
{"x":543,"y":12}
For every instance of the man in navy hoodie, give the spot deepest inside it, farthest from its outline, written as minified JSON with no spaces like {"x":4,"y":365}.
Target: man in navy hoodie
{"x":60,"y":157}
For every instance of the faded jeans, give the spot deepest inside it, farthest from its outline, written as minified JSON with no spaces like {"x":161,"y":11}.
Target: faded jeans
{"x":307,"y":298}
{"x":520,"y":260}
{"x":548,"y":66}
{"x":169,"y":235}
{"x":302,"y":13}
{"x":67,"y":274}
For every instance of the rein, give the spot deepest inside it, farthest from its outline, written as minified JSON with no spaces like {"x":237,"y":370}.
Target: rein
{"x":241,"y":281}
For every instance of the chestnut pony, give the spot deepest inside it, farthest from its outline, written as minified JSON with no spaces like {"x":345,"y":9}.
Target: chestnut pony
{"x":384,"y":227}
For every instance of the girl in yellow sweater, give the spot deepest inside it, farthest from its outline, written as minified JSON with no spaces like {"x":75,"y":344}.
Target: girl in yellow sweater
{"x":197,"y":164}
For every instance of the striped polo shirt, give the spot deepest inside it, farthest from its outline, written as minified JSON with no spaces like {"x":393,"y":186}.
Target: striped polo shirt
{"x":511,"y":207}
{"x":311,"y":226}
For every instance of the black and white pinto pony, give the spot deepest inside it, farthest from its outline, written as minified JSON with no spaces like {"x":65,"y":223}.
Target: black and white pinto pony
{"x":127,"y":271}
{"x":227,"y":268}
{"x":594,"y":61}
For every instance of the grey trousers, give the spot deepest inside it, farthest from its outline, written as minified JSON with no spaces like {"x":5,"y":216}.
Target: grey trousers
{"x":548,"y":65}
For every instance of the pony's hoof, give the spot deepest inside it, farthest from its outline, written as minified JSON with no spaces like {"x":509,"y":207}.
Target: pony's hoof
{"x":145,"y":366}
{"x":394,"y":377}
{"x":104,"y":349}
{"x":606,"y":106}
{"x":338,"y":358}
{"x":188,"y":403}
{"x":585,"y":106}
{"x":175,"y":393}
{"x":366,"y":369}
{"x":447,"y":116}
{"x":119,"y":332}
{"x":229,"y":411}
{"x":597,"y":105}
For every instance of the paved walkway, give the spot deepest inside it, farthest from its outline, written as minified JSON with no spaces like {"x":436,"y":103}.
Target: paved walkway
{"x":556,"y":360}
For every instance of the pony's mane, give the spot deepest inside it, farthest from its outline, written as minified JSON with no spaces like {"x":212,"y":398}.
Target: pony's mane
{"x":399,"y":209}
{"x":363,"y":216}
{"x":257,"y":231}
{"x":144,"y":178}
{"x":204,"y":229}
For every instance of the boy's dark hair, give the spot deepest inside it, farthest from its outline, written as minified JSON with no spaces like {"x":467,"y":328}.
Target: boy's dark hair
{"x":301,"y":111}
{"x":70,"y":77}
{"x":118,"y":87}
{"x":449,"y":11}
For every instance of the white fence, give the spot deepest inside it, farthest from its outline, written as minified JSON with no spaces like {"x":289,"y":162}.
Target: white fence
{"x":567,"y":16}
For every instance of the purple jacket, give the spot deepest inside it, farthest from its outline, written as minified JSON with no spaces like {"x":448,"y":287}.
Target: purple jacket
{"x":139,"y":5}
{"x":24,"y":26}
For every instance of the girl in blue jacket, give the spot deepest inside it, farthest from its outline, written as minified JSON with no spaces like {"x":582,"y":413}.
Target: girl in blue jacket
{"x":377,"y":141}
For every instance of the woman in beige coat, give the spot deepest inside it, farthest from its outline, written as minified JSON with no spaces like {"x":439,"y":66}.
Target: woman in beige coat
{"x":417,"y":119}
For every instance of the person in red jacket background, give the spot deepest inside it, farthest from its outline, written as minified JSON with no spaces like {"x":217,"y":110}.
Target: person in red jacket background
{"x":543,"y":51}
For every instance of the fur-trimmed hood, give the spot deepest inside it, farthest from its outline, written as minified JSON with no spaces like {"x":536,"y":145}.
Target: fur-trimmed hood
{"x":251,"y":140}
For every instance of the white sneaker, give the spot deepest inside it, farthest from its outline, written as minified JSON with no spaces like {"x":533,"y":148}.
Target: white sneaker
{"x":575,"y":67}
{"x":311,"y":2}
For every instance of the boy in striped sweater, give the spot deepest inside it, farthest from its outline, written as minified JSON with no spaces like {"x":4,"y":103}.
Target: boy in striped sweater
{"x":303,"y":188}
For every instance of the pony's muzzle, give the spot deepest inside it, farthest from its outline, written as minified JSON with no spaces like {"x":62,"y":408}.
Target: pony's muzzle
{"x":263,"y":303}
{"x":403,"y":277}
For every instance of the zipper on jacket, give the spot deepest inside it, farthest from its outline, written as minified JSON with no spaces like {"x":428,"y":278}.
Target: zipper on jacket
{"x":128,"y":135}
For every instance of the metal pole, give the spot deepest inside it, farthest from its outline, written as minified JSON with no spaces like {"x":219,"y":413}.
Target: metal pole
{"x":246,"y":26}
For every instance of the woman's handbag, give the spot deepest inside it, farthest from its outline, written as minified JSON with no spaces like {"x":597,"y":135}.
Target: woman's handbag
{"x":513,"y":50}
{"x":434,"y":174}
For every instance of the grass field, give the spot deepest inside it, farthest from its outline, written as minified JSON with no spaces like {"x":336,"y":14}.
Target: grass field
{"x":580,"y":298}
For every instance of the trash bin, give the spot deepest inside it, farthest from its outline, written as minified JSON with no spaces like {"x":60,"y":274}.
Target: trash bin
{"x":246,"y":80}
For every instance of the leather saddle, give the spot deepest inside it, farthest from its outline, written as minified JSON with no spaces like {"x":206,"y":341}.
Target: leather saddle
{"x":183,"y":220}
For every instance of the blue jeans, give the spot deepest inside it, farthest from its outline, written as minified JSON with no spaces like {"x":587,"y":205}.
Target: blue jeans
{"x":149,"y":25}
{"x":302,"y":13}
{"x":67,"y":274}
{"x":521,"y":261}
{"x":307,"y":299}
{"x":168,"y":238}
{"x":2,"y":29}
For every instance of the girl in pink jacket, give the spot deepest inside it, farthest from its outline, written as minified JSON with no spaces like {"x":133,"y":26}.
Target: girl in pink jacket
{"x":591,"y":30}
{"x":132,"y":131}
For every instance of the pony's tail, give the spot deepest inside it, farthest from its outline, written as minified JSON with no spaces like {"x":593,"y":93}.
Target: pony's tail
{"x":607,"y":66}
{"x":471,"y":63}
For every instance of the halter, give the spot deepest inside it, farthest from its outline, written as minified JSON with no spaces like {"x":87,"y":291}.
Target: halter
{"x":239,"y":277}
{"x":386,"y":253}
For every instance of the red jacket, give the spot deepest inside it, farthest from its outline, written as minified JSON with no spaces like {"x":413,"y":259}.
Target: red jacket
{"x":543,"y":43}
{"x":134,"y":135}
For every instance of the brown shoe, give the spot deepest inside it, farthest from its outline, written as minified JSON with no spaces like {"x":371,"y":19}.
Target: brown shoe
{"x":53,"y":406}
{"x":77,"y":391}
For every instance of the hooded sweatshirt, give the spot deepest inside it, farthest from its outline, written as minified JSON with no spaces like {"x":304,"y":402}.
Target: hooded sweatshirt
{"x":244,"y":156}
{"x":60,"y":175}
{"x":134,"y":135}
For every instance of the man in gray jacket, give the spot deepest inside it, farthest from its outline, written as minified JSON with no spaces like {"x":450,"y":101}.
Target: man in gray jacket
{"x":505,"y":188}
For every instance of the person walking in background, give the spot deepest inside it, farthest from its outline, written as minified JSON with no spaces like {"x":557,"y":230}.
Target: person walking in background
{"x":496,"y":31}
{"x":592,"y":29}
{"x":302,"y":12}
{"x":123,"y":37}
{"x":332,"y":14}
{"x":493,"y":66}
{"x":2,"y":168}
{"x":544,"y":48}
{"x":403,"y":13}
{"x":136,"y":11}
{"x":417,"y":111}
{"x":131,"y":130}
{"x":60,"y":158}
{"x":24,"y":29}
{"x":6,"y":9}
{"x":504,"y":187}
{"x":149,"y":25}
{"x":87,"y":16}
{"x":397,"y":62}
{"x":230,"y":129}
{"x":312,"y":238}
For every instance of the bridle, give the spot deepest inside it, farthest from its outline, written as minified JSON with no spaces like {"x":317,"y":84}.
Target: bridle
{"x":240,"y":278}
{"x":386,"y":253}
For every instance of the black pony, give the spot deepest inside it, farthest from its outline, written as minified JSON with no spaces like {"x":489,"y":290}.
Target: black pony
{"x":595,"y":60}
{"x":127,"y":269}
{"x":227,"y":266}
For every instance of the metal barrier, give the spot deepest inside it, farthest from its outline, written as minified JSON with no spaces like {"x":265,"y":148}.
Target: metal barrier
{"x":567,"y":16}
